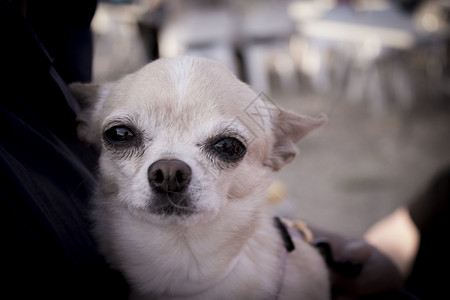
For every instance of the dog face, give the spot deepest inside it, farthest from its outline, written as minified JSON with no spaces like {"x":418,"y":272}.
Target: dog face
{"x":182,"y":139}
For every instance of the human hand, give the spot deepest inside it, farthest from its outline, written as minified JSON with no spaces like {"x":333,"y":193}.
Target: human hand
{"x":377,"y":274}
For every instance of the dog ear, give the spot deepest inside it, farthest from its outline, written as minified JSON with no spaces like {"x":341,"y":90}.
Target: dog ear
{"x":288,"y":129}
{"x":87,"y":95}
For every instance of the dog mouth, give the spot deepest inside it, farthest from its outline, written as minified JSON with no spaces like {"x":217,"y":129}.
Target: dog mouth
{"x":179,"y":204}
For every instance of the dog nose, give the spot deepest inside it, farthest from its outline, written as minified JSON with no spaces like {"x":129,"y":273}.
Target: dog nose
{"x":169,"y":176}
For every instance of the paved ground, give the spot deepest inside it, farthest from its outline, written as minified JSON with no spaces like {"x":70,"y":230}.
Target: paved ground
{"x":358,"y":167}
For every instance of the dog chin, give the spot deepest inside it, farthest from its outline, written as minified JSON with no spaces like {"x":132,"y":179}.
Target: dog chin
{"x":179,"y":205}
{"x":160,"y":212}
{"x":194,"y":218}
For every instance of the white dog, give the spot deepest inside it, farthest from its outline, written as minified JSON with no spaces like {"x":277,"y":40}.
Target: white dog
{"x":186,"y":156}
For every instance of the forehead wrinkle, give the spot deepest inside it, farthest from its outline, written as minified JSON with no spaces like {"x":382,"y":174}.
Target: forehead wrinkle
{"x":184,"y":93}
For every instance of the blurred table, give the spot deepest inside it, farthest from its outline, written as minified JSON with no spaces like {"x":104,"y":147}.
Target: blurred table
{"x":355,"y":46}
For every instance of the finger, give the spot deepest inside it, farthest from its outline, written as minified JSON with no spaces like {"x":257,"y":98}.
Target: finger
{"x":356,"y":251}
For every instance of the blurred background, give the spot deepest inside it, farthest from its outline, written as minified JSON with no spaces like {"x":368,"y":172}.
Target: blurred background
{"x":379,"y":69}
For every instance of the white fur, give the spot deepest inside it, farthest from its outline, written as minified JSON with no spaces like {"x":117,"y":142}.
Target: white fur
{"x":228,"y":248}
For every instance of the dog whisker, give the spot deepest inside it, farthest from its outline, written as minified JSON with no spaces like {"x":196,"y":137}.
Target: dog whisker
{"x":181,"y":200}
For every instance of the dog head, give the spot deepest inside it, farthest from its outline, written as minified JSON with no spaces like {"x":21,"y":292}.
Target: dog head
{"x":181,"y":139}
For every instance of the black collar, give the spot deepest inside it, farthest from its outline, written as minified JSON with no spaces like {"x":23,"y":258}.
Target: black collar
{"x":284,"y":232}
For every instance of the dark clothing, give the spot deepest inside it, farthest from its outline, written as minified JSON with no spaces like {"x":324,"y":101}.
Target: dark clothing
{"x":431,"y":214}
{"x":46,"y":177}
{"x":64,"y":28}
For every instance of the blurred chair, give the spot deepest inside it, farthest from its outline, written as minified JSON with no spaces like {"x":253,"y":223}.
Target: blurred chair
{"x":359,"y":51}
{"x":200,"y":28}
{"x":259,"y":31}
{"x":119,"y":48}
{"x":265,"y":33}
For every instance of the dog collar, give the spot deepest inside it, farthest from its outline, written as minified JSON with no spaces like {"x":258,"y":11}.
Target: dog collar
{"x":296,"y":228}
{"x":287,"y":229}
{"x":284,"y":233}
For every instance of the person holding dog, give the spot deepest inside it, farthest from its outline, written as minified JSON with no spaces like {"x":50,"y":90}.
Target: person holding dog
{"x":48,"y":176}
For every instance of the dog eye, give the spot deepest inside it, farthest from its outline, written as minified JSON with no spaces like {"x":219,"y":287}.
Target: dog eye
{"x":230,"y":148}
{"x":119,"y":135}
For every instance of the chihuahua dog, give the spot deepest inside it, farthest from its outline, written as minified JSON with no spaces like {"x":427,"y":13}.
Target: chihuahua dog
{"x":187,"y":152}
